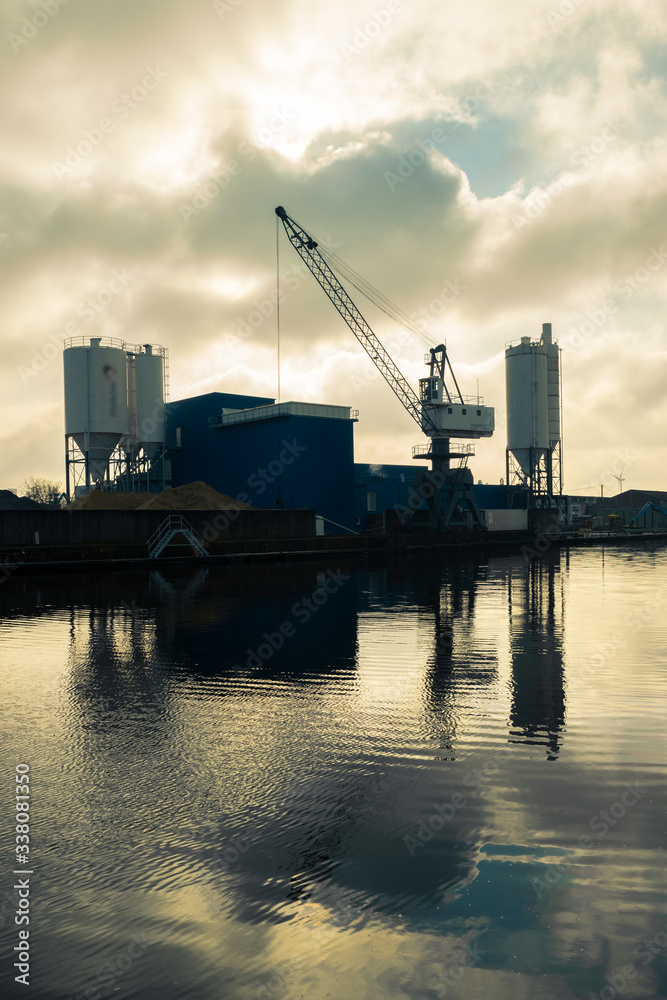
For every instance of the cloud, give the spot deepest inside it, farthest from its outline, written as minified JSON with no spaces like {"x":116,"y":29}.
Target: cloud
{"x":509,"y":155}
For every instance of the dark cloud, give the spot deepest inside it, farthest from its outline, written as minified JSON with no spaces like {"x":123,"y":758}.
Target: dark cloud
{"x":431,"y":152}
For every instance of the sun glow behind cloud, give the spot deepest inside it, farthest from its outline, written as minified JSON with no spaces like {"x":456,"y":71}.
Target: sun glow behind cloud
{"x":537,"y":206}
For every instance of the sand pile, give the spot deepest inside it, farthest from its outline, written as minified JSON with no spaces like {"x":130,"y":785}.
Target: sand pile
{"x":101,"y":500}
{"x":193,"y":496}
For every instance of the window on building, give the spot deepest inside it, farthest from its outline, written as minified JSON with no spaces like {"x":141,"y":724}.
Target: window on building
{"x":449,"y":409}
{"x":464,"y":411}
{"x":479,"y":413}
{"x":178,"y":437}
{"x":371,"y":501}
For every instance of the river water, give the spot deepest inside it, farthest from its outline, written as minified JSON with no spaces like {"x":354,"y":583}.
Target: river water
{"x":432,"y":777}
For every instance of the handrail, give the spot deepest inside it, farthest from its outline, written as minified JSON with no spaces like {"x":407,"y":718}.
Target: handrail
{"x":329,"y":521}
{"x":174,"y":524}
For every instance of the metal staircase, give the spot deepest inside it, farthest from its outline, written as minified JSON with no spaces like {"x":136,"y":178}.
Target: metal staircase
{"x":173,"y":525}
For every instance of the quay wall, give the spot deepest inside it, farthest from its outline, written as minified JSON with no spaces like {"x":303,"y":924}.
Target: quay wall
{"x":46,"y":528}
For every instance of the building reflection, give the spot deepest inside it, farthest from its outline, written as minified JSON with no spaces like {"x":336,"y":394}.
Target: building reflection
{"x":536,"y":603}
{"x":202,"y":621}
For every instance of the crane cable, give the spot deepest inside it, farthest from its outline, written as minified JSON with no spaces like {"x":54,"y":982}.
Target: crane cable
{"x":278,"y":298}
{"x":371,"y":293}
{"x":279,"y":494}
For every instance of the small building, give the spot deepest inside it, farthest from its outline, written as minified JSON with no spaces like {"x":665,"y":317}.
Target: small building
{"x":626,"y":505}
{"x":379,"y":488}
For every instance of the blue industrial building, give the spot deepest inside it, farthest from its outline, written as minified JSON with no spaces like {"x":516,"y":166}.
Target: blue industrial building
{"x":497,"y":496}
{"x":293,"y":455}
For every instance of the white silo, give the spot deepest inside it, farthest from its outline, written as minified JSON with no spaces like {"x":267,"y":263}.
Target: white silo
{"x":96,"y":418}
{"x":146,"y":378}
{"x":532,"y":370}
{"x":553,"y":384}
{"x":527,"y":406}
{"x":145,"y":467}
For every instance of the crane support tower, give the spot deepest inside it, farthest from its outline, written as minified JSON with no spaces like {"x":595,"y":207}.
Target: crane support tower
{"x":441,"y":412}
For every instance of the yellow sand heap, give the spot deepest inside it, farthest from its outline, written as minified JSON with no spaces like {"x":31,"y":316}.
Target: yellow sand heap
{"x":192,"y":496}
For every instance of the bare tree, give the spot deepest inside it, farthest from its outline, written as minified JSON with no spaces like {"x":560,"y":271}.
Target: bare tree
{"x":43,"y":491}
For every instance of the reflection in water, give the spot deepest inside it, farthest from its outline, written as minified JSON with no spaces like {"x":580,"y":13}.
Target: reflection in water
{"x":216,"y":639}
{"x":298,"y":780}
{"x":463,"y":656}
{"x":178,"y":592}
{"x":536,"y":618}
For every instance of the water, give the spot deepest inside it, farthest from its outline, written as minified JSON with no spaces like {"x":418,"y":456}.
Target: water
{"x":448,"y":781}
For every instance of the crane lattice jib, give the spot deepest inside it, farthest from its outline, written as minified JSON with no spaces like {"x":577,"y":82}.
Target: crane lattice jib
{"x":307,"y":249}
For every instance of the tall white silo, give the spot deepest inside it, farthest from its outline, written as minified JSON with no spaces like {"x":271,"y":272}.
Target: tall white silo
{"x":96,"y":417}
{"x":527,"y":404}
{"x":532,"y":370}
{"x":553,"y":385}
{"x":145,"y":449}
{"x":147,"y":364}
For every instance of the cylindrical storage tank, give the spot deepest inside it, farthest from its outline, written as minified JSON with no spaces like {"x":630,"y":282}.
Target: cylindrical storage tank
{"x":96,"y":400}
{"x":75,"y":361}
{"x":131,"y":446}
{"x":553,"y":393}
{"x":527,"y":401}
{"x":149,"y":382}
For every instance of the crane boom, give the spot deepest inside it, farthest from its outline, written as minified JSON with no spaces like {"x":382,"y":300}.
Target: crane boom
{"x":308,"y":250}
{"x":646,"y":508}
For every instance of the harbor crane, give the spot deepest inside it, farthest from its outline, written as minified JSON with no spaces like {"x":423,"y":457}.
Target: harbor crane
{"x":441,"y":411}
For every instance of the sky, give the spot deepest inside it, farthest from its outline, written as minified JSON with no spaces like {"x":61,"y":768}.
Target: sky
{"x":489,"y":167}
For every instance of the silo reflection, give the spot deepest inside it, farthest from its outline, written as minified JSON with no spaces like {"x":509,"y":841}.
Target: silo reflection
{"x":536,"y":603}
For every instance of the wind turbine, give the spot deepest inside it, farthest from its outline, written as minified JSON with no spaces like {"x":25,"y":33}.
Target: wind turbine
{"x":621,"y":480}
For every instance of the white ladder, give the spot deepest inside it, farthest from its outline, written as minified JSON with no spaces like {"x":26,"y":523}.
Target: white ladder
{"x":174,"y":524}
